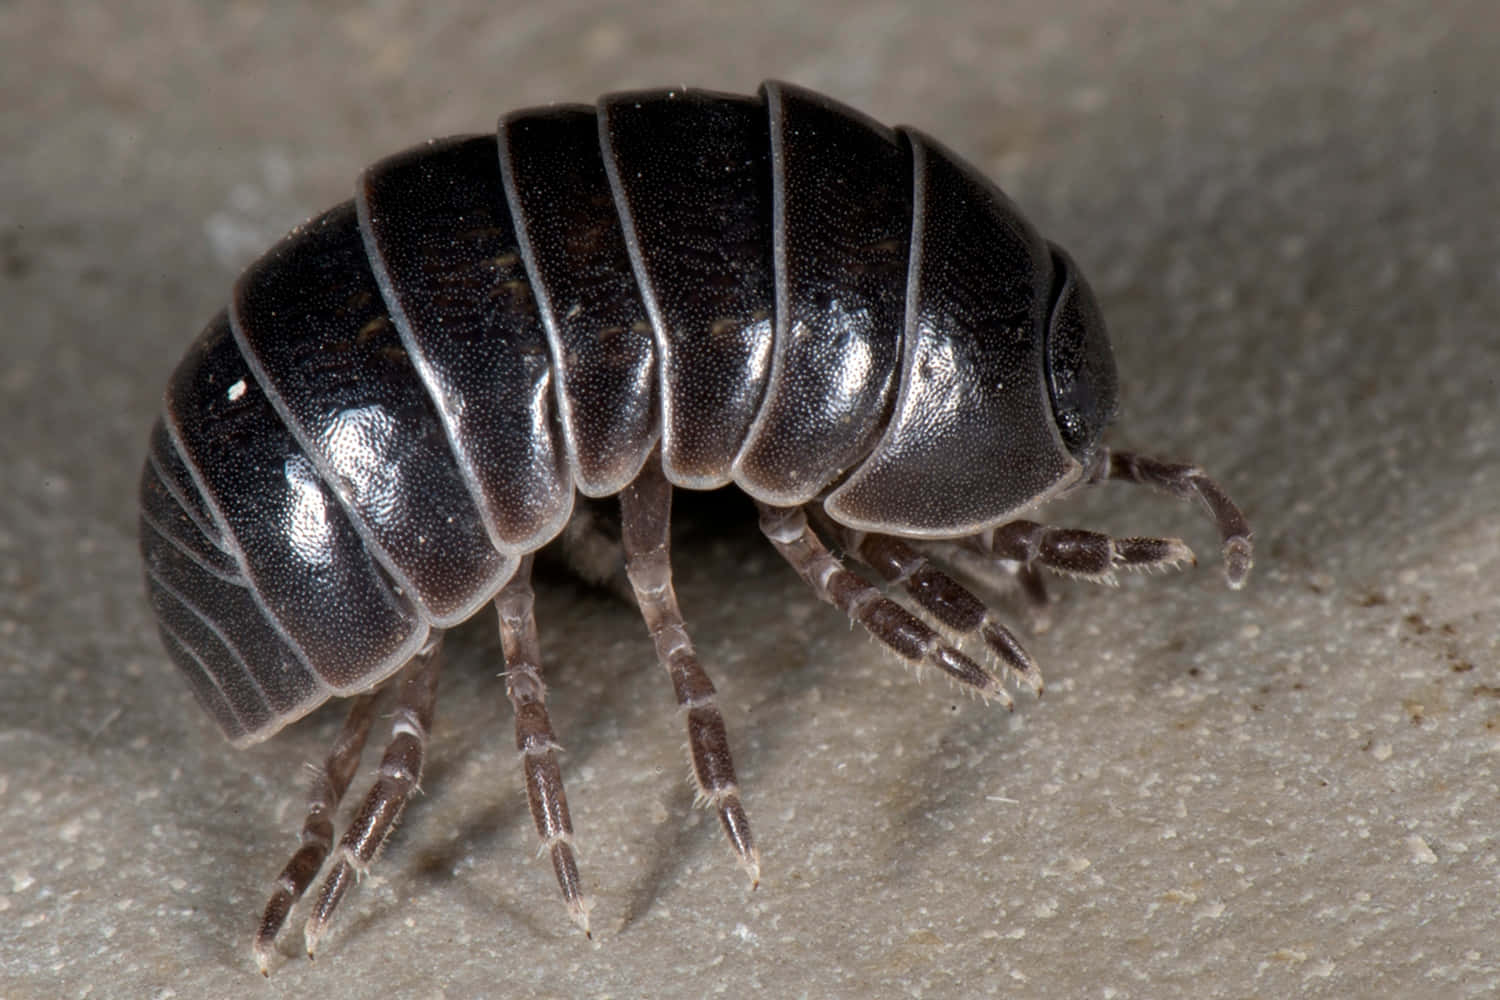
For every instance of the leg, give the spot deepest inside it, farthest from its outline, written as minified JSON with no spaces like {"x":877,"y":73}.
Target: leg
{"x":400,"y":772}
{"x":1188,"y":482}
{"x":646,"y":510}
{"x":943,"y":597}
{"x":328,"y":786}
{"x":534,"y":739}
{"x":1088,"y":554}
{"x":996,"y":575}
{"x":887,"y":621}
{"x":1096,"y":556}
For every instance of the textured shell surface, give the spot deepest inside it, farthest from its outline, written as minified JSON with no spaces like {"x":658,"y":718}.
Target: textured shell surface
{"x":404,"y":396}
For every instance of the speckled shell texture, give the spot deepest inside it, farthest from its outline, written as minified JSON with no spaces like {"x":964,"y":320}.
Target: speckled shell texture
{"x":405,"y":393}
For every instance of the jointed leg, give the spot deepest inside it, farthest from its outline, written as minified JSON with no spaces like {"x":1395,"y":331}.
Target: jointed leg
{"x":400,"y":772}
{"x":1089,"y":554}
{"x":995,"y":575}
{"x":328,"y":786}
{"x":646,"y":509}
{"x":1028,"y":545}
{"x":1188,"y":482}
{"x":887,"y":621}
{"x":947,"y":600}
{"x":534,"y":739}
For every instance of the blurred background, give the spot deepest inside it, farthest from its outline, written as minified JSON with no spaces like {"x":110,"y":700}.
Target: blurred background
{"x":1288,"y":210}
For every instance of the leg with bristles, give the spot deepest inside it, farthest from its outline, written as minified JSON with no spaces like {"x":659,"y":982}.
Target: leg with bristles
{"x":646,"y":510}
{"x":944,"y":598}
{"x":1075,"y":552}
{"x":1188,"y":482}
{"x":890,"y":623}
{"x":400,"y":773}
{"x":1096,"y":556}
{"x":538,"y":747}
{"x":329,"y":784}
{"x":995,"y":575}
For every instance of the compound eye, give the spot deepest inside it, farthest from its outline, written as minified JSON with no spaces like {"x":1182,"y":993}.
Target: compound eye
{"x":1080,"y":365}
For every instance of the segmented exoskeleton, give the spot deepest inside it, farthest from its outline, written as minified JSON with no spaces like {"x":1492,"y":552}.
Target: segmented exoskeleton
{"x":669,"y":289}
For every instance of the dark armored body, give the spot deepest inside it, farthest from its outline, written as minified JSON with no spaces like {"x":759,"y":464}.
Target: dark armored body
{"x":668,"y":289}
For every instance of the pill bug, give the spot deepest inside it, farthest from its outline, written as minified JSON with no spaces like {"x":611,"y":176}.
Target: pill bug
{"x":667,"y":289}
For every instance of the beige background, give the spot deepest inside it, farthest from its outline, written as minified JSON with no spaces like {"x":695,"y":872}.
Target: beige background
{"x":1289,"y":211}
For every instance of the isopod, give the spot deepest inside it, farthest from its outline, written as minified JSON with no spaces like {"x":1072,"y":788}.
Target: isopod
{"x":668,"y":289}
